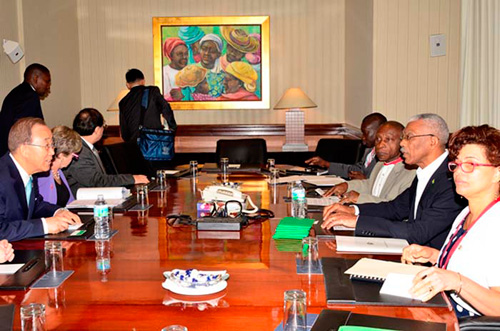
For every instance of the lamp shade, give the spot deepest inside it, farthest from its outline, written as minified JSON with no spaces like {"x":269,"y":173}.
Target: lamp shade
{"x":114,"y":105}
{"x":294,"y":98}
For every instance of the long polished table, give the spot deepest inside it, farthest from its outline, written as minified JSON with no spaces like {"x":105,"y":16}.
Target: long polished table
{"x":131,"y":296}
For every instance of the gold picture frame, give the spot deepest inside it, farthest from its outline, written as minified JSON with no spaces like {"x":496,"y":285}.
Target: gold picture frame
{"x":207,"y":66}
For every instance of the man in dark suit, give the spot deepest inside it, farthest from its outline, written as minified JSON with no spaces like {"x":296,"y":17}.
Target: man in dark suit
{"x":24,"y":100}
{"x":424,"y":212}
{"x":23,"y":213}
{"x":363,"y":168}
{"x":88,"y":170}
{"x":130,"y":107}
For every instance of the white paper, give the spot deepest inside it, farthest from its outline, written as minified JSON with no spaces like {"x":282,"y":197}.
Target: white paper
{"x":343,"y":228}
{"x":370,"y":244}
{"x":325,"y":201}
{"x":91,"y":193}
{"x":323,"y":180}
{"x":10,"y":268}
{"x":170,"y":172}
{"x":379,"y":269}
{"x":90,"y":203}
{"x":73,"y":227}
{"x":398,"y":285}
{"x":234,"y":166}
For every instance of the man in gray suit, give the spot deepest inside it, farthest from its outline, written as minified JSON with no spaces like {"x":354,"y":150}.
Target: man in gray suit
{"x":88,"y":170}
{"x":362,"y":169}
{"x":389,"y":177}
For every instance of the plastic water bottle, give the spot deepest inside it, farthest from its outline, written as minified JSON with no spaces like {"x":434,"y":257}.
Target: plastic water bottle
{"x":103,"y":259}
{"x":299,"y":206}
{"x":101,"y":218}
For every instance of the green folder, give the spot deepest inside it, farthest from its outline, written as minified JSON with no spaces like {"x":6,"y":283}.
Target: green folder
{"x":293,"y":228}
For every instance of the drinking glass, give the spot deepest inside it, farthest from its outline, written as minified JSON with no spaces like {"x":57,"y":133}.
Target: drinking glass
{"x":193,"y":166}
{"x":295,"y":311}
{"x":53,"y":257}
{"x":33,"y":317}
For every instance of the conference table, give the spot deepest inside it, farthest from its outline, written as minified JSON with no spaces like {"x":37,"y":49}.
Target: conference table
{"x":131,"y":296}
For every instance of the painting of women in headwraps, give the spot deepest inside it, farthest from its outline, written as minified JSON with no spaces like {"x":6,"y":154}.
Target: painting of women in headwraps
{"x":212,"y":62}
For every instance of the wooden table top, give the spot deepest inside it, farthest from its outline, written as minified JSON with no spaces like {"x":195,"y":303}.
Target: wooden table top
{"x":132,"y":298}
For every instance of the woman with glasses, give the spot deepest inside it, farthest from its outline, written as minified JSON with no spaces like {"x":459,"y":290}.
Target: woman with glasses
{"x":53,"y":185}
{"x":467,"y":266}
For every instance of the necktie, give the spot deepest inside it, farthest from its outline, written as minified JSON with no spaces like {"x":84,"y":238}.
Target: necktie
{"x":28,"y":188}
{"x":96,"y":153}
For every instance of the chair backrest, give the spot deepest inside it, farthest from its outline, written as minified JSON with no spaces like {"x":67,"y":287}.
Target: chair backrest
{"x":242,"y":151}
{"x":126,"y":158}
{"x":346,"y":151}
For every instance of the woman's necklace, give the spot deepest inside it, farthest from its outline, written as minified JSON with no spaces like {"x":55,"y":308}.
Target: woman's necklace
{"x":57,"y":177}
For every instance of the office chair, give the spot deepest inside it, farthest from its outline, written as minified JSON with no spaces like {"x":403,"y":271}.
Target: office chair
{"x":481,"y":323}
{"x":125,"y":158}
{"x":346,"y":151}
{"x":242,"y":151}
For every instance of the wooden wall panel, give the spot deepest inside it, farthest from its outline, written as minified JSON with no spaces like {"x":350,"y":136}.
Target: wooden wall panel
{"x":407,"y":80}
{"x":307,"y":50}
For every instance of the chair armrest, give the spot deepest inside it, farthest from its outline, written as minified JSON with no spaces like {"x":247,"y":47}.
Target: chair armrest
{"x":483,"y":323}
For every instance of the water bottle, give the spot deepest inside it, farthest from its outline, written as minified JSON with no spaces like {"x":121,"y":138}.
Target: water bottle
{"x":299,"y":207}
{"x":103,"y":259}
{"x":101,"y":218}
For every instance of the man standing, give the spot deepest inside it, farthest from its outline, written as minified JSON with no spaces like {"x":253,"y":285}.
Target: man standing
{"x":424,"y":212}
{"x":130,"y":107}
{"x":390,"y":176}
{"x":24,"y":100}
{"x":362,"y":169}
{"x":23,"y":213}
{"x":88,"y":170}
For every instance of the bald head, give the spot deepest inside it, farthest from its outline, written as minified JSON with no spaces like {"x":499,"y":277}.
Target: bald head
{"x":387,"y":141}
{"x":369,"y":128}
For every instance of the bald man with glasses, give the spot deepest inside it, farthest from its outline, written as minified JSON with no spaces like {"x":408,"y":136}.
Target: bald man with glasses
{"x":23,"y":213}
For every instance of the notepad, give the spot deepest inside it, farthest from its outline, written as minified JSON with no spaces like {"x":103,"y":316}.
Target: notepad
{"x":8,"y":269}
{"x":377,"y":270}
{"x":370,"y":245}
{"x":293,"y":228}
{"x":398,"y":285}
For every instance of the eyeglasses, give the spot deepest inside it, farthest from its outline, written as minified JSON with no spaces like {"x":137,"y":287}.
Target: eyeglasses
{"x":467,"y":167}
{"x":47,"y":147}
{"x":75,"y":156}
{"x":405,"y":136}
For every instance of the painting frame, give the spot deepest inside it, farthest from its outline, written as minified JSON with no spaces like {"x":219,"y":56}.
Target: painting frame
{"x":161,"y":26}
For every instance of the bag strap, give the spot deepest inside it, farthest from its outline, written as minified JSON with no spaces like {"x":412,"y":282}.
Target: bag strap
{"x":144,"y":105}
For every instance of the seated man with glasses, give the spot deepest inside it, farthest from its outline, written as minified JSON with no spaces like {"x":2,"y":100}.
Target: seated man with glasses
{"x":23,"y":212}
{"x":424,"y":212}
{"x":88,"y":170}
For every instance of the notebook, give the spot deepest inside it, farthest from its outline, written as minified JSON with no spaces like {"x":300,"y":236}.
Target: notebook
{"x":33,"y":266}
{"x":372,"y":245}
{"x":377,"y":270}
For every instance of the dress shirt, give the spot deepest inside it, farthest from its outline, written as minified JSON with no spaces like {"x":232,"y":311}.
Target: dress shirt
{"x":370,"y":157}
{"x":25,"y":177}
{"x":382,"y":176}
{"x":423,"y":176}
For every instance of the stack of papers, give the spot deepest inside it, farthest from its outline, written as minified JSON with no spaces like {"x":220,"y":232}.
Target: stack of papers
{"x":293,"y":228}
{"x":86,"y":197}
{"x":372,"y":245}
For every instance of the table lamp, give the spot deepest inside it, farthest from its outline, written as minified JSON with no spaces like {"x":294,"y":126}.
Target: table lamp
{"x":114,"y":105}
{"x":294,"y":99}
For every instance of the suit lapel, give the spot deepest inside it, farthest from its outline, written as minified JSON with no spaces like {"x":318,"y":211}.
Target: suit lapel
{"x":18,"y":186}
{"x":430,"y":184}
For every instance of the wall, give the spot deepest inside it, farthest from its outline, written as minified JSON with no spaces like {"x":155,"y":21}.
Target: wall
{"x":307,"y":50}
{"x":406,"y":79}
{"x":10,"y":74}
{"x":358,"y":60}
{"x":51,"y":38}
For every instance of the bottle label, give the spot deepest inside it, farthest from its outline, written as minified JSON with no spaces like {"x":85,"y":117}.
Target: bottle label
{"x":101,"y":211}
{"x":298,"y":194}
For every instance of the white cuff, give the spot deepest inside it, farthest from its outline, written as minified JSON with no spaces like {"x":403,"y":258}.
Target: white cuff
{"x":356,"y":210}
{"x":45,"y":227}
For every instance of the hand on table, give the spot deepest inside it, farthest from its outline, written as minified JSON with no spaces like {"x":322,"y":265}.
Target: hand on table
{"x":429,"y":282}
{"x":419,"y":254}
{"x":141,"y":179}
{"x":337,"y":208}
{"x":316,"y":160}
{"x":61,"y":220}
{"x":337,"y":190}
{"x":350,"y":197}
{"x":339,"y":218}
{"x":6,"y":251}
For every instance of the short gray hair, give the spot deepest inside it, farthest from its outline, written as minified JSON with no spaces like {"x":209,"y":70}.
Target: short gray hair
{"x":436,"y":124}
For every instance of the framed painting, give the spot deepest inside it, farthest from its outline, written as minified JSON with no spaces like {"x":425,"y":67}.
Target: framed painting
{"x":212,"y":62}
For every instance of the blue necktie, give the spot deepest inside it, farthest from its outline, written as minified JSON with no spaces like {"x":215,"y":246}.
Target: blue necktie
{"x":28,"y":188}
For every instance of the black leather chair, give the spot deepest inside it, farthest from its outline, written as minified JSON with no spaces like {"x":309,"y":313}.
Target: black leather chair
{"x":125,"y":158}
{"x":242,"y":151}
{"x":346,"y":151}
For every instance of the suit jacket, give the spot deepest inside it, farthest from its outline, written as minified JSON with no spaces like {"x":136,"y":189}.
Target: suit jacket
{"x":16,"y":220}
{"x":86,"y":172}
{"x":130,"y":112}
{"x":21,"y":102}
{"x":398,"y":180}
{"x":437,"y":209}
{"x":342,"y":170}
{"x":47,"y":186}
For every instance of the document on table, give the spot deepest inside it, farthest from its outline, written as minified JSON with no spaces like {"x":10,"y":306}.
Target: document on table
{"x":398,"y":285}
{"x":377,"y":270}
{"x":370,"y":245}
{"x":90,"y":203}
{"x":343,"y":228}
{"x":323,"y":180}
{"x":325,"y":201}
{"x":8,"y":269}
